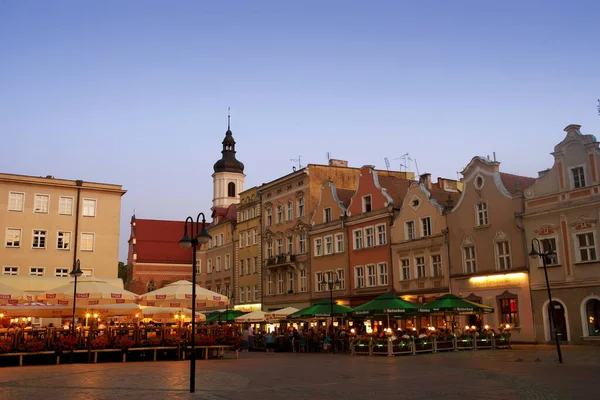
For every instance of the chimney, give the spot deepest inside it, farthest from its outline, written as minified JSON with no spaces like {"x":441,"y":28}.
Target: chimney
{"x":338,"y":163}
{"x":425,"y":179}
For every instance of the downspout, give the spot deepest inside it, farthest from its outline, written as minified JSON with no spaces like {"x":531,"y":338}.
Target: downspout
{"x":343,"y":218}
{"x":79,"y":184}
{"x":389,"y":243}
{"x":521,"y":226}
{"x":447,"y":242}
{"x":260,"y":248}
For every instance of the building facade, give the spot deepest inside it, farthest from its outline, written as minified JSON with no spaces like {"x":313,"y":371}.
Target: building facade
{"x":561,"y":211}
{"x":49,"y":223}
{"x":488,"y":259}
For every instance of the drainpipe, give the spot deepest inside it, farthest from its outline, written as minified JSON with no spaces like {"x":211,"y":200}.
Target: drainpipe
{"x":389,"y":244}
{"x":343,"y":218}
{"x":79,"y":184}
{"x":260,"y":259}
{"x":446,"y":233}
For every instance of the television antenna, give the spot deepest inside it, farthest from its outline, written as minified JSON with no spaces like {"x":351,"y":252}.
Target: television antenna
{"x":406,"y":158}
{"x":387,"y":163}
{"x":298,"y":160}
{"x":328,"y":157}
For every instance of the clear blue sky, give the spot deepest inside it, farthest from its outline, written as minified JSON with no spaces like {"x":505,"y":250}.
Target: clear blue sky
{"x":136,"y":92}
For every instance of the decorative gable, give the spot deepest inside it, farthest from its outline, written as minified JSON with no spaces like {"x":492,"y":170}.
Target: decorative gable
{"x":546,"y":230}
{"x":583,"y":223}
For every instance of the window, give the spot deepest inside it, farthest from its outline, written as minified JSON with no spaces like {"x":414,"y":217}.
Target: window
{"x":587,"y":248}
{"x":269,"y":284}
{"x":369,"y":237}
{"x":482,"y":214}
{"x":241,"y":239}
{"x":61,"y":272}
{"x":279,"y":214}
{"x":198,"y":267}
{"x":371,"y":275}
{"x":339,"y":242}
{"x":327,"y":215}
{"x":329,"y":244}
{"x":341,"y":279}
{"x":252,"y":212}
{"x":10,"y":271}
{"x":302,"y":242}
{"x":65,"y":206}
{"x":254,"y":236}
{"x":89,"y":208}
{"x":420,"y":267}
{"x":241,"y":267}
{"x":280,"y":283}
{"x":301,"y":207}
{"x":40,"y":204}
{"x":87,"y":242}
{"x":242,"y":296}
{"x":222,"y":239}
{"x":470,"y":263}
{"x":279,"y":246}
{"x":436,"y":265}
{"x":247,"y":266}
{"x":248,"y":238}
{"x":16,"y":201}
{"x":291,"y":282}
{"x":358,"y":243}
{"x":209,"y":266}
{"x":578,"y":177}
{"x":269,"y":216}
{"x":381,"y":235}
{"x":405,"y":269}
{"x":503,"y":255}
{"x":218,"y":266}
{"x":319,"y":282}
{"x":383,"y":274}
{"x":39,"y":240}
{"x":63,"y":240}
{"x":592,"y":310}
{"x":547,"y":244}
{"x":366,"y":203}
{"x":318,"y":247}
{"x":359,"y":277}
{"x":231,"y":189}
{"x":227,"y":262}
{"x":255,"y":265}
{"x":290,"y":210}
{"x":302,"y":280}
{"x":269,"y":249}
{"x":248,"y":294}
{"x":36,"y":271}
{"x":218,"y":289}
{"x":13,"y":237}
{"x":255,"y":287}
{"x":425,"y":226}
{"x":409,"y":231}
{"x":509,"y":311}
{"x":290,"y":245}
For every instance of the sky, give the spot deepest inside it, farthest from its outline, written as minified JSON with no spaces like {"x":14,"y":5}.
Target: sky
{"x":136,"y":92}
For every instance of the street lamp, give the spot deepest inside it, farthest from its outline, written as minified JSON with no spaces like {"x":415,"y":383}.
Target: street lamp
{"x":76,"y":273}
{"x":199,"y":236}
{"x":330,"y":284}
{"x":544,"y":256}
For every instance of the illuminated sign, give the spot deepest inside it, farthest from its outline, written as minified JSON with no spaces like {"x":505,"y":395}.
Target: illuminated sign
{"x":498,"y":280}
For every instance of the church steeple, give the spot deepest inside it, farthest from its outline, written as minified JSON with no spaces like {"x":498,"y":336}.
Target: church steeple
{"x":228,"y":162}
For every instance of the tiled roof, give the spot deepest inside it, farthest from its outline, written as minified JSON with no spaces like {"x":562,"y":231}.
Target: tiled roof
{"x":396,"y":187}
{"x":345,"y":195}
{"x":157,"y":241}
{"x":441,"y":196}
{"x":516,"y":183}
{"x":225,"y":213}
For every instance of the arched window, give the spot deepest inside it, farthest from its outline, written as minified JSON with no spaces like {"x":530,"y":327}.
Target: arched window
{"x":592,"y":310}
{"x":290,"y":210}
{"x":151,"y":286}
{"x":279,"y":214}
{"x":231,"y":189}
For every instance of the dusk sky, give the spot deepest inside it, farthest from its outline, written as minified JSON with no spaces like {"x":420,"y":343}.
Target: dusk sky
{"x":136,"y":92}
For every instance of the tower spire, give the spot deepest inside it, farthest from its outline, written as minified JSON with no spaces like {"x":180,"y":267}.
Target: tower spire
{"x":228,"y":118}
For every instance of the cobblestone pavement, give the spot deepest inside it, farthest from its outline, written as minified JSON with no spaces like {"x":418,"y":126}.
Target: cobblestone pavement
{"x":527,"y":372}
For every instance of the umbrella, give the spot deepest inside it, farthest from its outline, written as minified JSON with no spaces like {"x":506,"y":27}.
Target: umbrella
{"x":168,"y":313}
{"x":281,"y":314}
{"x":454,"y":304}
{"x":385,"y":304}
{"x":225,"y":316}
{"x":89,"y":292}
{"x":36,"y":310}
{"x":321,"y":308}
{"x":10,"y":295}
{"x":254,"y":316}
{"x":179,"y":294}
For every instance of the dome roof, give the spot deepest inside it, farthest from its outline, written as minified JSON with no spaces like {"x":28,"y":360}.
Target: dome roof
{"x":228,"y":162}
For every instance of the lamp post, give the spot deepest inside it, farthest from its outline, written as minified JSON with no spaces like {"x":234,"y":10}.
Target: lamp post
{"x":539,"y":252}
{"x":330,"y":284}
{"x":76,"y":273}
{"x":199,"y":236}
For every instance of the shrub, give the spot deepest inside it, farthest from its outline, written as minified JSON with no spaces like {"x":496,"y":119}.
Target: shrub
{"x":101,"y":342}
{"x":153,"y":341}
{"x":124,"y":342}
{"x":67,"y":343}
{"x":34,"y":345}
{"x":6,"y":345}
{"x":172,"y":340}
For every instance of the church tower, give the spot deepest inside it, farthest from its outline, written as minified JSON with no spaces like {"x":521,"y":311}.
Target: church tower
{"x":228,"y":178}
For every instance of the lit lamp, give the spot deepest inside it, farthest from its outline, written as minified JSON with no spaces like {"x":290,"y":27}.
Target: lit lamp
{"x":331,"y":284}
{"x":486,"y":327}
{"x":75,"y":273}
{"x":87,"y":316}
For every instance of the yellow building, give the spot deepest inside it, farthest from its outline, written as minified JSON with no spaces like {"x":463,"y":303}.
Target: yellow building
{"x":247,"y":244}
{"x":49,"y":223}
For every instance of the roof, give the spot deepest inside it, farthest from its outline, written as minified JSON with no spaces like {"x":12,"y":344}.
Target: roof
{"x":344,"y":195}
{"x":225,"y":213}
{"x":395,"y":187}
{"x":157,"y":241}
{"x":515,"y":183}
{"x":441,"y":196}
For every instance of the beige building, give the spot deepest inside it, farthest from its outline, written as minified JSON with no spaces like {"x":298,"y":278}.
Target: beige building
{"x":247,"y":243}
{"x":488,"y":260}
{"x":49,"y":223}
{"x":562,"y":210}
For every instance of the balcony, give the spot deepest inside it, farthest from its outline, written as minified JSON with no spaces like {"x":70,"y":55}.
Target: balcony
{"x":284,"y":259}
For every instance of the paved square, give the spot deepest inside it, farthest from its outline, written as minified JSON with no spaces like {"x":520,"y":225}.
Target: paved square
{"x":527,"y":372}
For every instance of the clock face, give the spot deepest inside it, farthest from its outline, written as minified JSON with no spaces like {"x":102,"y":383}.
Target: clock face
{"x":529,"y":193}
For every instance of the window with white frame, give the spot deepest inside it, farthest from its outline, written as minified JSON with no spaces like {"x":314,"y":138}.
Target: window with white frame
{"x":87,"y":242}
{"x":242,"y":236}
{"x":269,"y":216}
{"x":339,"y":242}
{"x":382,"y":274}
{"x":381,"y":234}
{"x":248,"y":238}
{"x":269,"y":248}
{"x":436,"y":265}
{"x":482,"y":214}
{"x":242,"y":267}
{"x":319,"y":282}
{"x":279,"y":214}
{"x":198,"y":267}
{"x":39,"y":239}
{"x":218,"y":266}
{"x":503,"y":252}
{"x":63,"y":240}
{"x":290,"y":244}
{"x":36,"y":271}
{"x":218,"y":289}
{"x":13,"y":237}
{"x":586,"y":247}
{"x":327,"y":215}
{"x":369,"y":237}
{"x":242,"y":295}
{"x":209,"y":266}
{"x":248,"y":266}
{"x":366,"y":204}
{"x":252,"y":212}
{"x":290,"y":210}
{"x":420,"y":267}
{"x":301,"y":207}
{"x":61,"y":272}
{"x":547,"y":245}
{"x":303,"y":285}
{"x":255,"y":287}
{"x":470,"y":261}
{"x":89,"y":207}
{"x":318,"y":247}
{"x":291,"y":283}
{"x":578,"y":175}
{"x":248,"y":294}
{"x":341,"y":278}
{"x":371,"y":275}
{"x":16,"y":201}
{"x":254,"y":236}
{"x":270,"y":284}
{"x":41,"y":203}
{"x":302,"y":242}
{"x":280,"y":283}
{"x":425,"y":226}
{"x":358,"y":242}
{"x":359,"y":277}
{"x":65,"y":205}
{"x":255,"y":265}
{"x":329,"y":244}
{"x":409,"y":230}
{"x":405,"y":269}
{"x":8,"y":270}
{"x":227,"y":262}
{"x":279,"y":246}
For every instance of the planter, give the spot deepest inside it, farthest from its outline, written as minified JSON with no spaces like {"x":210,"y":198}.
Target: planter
{"x":464,"y":344}
{"x":484,"y":343}
{"x":379,"y":346}
{"x":361,"y":347}
{"x":444,"y":345}
{"x":423,"y":345}
{"x":401,"y":346}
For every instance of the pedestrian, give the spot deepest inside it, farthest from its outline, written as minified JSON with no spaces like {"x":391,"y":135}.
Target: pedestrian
{"x":270,"y":342}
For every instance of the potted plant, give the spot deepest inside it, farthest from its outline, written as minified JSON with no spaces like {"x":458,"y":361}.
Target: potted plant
{"x":33,"y":345}
{"x":66,"y":343}
{"x":172,"y":340}
{"x":6,"y":345}
{"x":153,"y":341}
{"x":125,"y":343}
{"x":101,"y":342}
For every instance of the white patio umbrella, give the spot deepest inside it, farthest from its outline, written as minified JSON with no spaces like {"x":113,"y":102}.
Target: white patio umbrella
{"x":168,"y":313}
{"x":179,"y":294}
{"x":40,"y":310}
{"x":90,"y":292}
{"x":254,"y":316}
{"x":10,"y":295}
{"x":280,"y":314}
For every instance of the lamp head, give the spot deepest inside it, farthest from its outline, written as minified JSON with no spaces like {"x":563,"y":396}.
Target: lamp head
{"x":185,"y":241}
{"x":77,"y":272}
{"x":203,"y":236}
{"x":533,"y":252}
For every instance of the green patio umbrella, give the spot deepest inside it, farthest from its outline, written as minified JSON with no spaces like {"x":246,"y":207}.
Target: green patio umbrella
{"x":386,"y":304}
{"x":454,"y":304}
{"x":321,"y":308}
{"x":224,"y":316}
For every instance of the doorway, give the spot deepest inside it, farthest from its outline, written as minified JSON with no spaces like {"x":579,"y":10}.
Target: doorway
{"x":560,"y":322}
